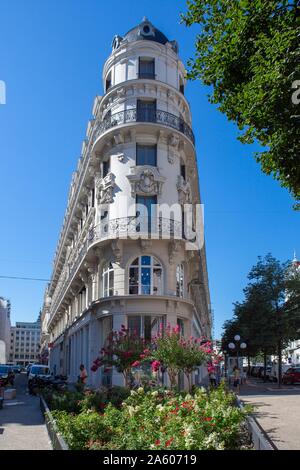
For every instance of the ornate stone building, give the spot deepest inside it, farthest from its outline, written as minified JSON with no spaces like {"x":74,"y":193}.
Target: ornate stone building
{"x":119,"y":258}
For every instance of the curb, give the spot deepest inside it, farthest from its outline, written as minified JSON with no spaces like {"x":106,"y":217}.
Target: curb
{"x":259,"y":437}
{"x":57,"y":441}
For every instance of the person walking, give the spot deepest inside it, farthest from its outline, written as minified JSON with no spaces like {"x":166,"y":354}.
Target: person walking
{"x":82,"y":379}
{"x":236,"y":379}
{"x":212,"y":379}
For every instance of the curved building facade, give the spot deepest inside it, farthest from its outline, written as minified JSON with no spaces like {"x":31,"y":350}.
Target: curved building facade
{"x":130,"y":250}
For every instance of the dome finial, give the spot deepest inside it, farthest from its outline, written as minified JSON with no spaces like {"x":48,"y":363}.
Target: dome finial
{"x":295,"y":256}
{"x":144,"y":19}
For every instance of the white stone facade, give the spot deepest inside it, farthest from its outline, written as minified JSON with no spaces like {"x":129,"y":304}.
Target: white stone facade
{"x":25,"y":343}
{"x":4,"y":330}
{"x":114,"y":263}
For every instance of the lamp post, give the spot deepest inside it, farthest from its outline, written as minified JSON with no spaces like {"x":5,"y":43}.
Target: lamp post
{"x":237,"y":345}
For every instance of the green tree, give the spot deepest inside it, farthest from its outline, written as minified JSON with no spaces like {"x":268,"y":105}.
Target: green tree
{"x":248,"y":52}
{"x":270,"y":314}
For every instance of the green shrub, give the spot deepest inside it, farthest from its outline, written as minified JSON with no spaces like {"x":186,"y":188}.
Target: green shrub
{"x":160,"y":419}
{"x":63,"y":401}
{"x":81,"y":430}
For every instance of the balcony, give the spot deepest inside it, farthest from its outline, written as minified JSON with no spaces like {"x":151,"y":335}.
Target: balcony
{"x":137,"y":227}
{"x":143,"y":115}
{"x":123,"y":228}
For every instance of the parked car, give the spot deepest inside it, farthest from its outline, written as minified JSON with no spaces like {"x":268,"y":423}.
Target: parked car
{"x":17,"y":369}
{"x":255,"y":371}
{"x":291,"y":376}
{"x":28,"y":369}
{"x":7,"y":375}
{"x":38,"y":370}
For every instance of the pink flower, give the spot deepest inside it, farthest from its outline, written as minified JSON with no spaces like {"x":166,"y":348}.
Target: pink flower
{"x":155,"y":366}
{"x":135,"y":364}
{"x":176,"y":329}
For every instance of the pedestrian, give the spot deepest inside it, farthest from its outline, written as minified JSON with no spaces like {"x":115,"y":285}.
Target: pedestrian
{"x":212,"y":379}
{"x":236,"y":379}
{"x":244,"y":376}
{"x":82,"y":378}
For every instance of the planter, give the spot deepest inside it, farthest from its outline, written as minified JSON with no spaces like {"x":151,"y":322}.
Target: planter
{"x":259,"y":437}
{"x":58,"y":442}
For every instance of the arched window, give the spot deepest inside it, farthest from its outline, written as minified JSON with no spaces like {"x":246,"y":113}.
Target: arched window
{"x":145,"y":276}
{"x":108,"y":280}
{"x":180,"y":280}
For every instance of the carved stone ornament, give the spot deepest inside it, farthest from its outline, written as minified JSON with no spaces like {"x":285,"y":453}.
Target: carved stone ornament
{"x":145,"y":180}
{"x":184,"y":191}
{"x":116,"y":249}
{"x":174,"y":247}
{"x":105,"y":187}
{"x":145,"y":245}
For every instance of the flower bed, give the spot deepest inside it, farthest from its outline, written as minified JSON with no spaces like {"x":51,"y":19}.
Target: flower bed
{"x":160,"y":419}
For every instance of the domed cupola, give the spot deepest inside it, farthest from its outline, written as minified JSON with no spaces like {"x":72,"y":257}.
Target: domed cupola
{"x":144,"y":31}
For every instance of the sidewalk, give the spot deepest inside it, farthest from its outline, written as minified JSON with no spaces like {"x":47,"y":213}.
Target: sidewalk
{"x":21,"y":422}
{"x":276,"y":410}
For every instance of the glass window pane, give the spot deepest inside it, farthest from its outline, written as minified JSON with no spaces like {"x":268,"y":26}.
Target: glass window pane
{"x":134,"y":325}
{"x":111,"y":282}
{"x":146,"y":154}
{"x":146,"y":281}
{"x":157,"y":281}
{"x":133,"y":281}
{"x":147,"y":328}
{"x":146,"y":261}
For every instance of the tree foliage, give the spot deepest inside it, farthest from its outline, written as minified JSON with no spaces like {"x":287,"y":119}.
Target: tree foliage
{"x":248,"y":51}
{"x":269,"y":317}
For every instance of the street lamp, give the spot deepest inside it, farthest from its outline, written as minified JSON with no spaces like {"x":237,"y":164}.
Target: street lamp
{"x":237,"y":345}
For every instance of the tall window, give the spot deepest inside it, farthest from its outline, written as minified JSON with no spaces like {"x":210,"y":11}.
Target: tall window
{"x":108,"y":280}
{"x":180,"y":281}
{"x":181,"y":85}
{"x":145,"y":326}
{"x":105,"y":168}
{"x":146,"y":110}
{"x":108,"y":81}
{"x":146,"y":154}
{"x":145,"y":276}
{"x":146,"y":213}
{"x":180,"y":323}
{"x":146,"y":67}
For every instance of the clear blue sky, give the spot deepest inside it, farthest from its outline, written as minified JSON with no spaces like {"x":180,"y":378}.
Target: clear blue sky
{"x":51,"y":57}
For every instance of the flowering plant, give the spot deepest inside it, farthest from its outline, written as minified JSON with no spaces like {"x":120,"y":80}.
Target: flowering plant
{"x":174,"y":353}
{"x":123,"y":350}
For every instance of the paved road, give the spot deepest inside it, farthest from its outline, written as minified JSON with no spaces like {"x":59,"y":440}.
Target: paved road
{"x":21,"y":423}
{"x":277,"y":411}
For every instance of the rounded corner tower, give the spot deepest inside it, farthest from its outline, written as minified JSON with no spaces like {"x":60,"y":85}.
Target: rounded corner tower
{"x":123,"y":256}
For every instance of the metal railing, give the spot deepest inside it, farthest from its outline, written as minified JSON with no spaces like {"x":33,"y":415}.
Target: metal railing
{"x":123,"y":227}
{"x":127,"y":227}
{"x":143,"y":115}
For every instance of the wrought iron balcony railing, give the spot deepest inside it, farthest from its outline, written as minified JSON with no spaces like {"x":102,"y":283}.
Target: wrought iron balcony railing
{"x":143,"y":115}
{"x":124,"y":227}
{"x":127,"y":227}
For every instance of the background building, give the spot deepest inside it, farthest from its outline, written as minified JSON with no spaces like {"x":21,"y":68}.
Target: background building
{"x":25,"y":343}
{"x":118,"y":261}
{"x":4,"y":330}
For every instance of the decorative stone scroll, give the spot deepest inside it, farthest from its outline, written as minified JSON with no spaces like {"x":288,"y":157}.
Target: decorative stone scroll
{"x":105,"y":189}
{"x":145,"y":180}
{"x":184,"y":191}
